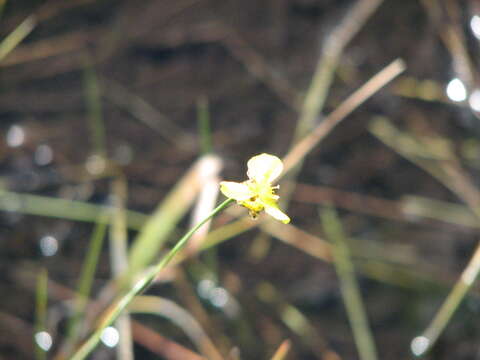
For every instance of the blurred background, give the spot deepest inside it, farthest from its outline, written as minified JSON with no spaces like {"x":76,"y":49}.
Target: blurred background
{"x":119,"y":118}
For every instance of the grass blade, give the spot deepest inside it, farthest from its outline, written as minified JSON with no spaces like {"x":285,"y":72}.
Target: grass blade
{"x":421,"y":344}
{"x":85,"y":282}
{"x":63,"y":208}
{"x":349,"y":285}
{"x":119,"y":261}
{"x":41,"y":298}
{"x":16,"y":36}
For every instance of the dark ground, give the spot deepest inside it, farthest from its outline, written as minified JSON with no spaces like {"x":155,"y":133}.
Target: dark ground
{"x":171,"y":54}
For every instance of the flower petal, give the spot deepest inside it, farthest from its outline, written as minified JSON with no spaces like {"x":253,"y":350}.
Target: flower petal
{"x":275,"y":212}
{"x":264,"y":168}
{"x":236,"y":191}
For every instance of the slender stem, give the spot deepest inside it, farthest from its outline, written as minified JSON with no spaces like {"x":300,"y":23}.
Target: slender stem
{"x":115,"y":309}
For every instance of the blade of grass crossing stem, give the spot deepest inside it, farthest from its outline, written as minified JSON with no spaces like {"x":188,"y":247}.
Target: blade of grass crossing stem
{"x":348,"y":285}
{"x":62,"y":208}
{"x":119,"y":261}
{"x":203,"y":118}
{"x":162,"y":222}
{"x":85,"y":282}
{"x":16,"y":36}
{"x":112,"y":313}
{"x":40,"y":336}
{"x":94,"y":108}
{"x":228,"y":231}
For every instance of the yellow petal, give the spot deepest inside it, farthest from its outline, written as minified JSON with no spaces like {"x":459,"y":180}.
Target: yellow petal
{"x":236,"y":191}
{"x":264,"y":168}
{"x":276,"y":213}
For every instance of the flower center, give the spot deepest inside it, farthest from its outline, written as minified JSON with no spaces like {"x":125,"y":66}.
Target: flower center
{"x":263,"y":193}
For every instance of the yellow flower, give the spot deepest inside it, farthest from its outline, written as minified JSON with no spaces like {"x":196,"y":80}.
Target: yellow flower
{"x":257,"y":193}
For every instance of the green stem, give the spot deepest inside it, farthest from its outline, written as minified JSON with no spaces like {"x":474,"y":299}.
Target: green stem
{"x":115,"y":309}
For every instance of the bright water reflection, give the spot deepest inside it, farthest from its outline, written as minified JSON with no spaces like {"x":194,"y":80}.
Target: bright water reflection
{"x":456,"y":90}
